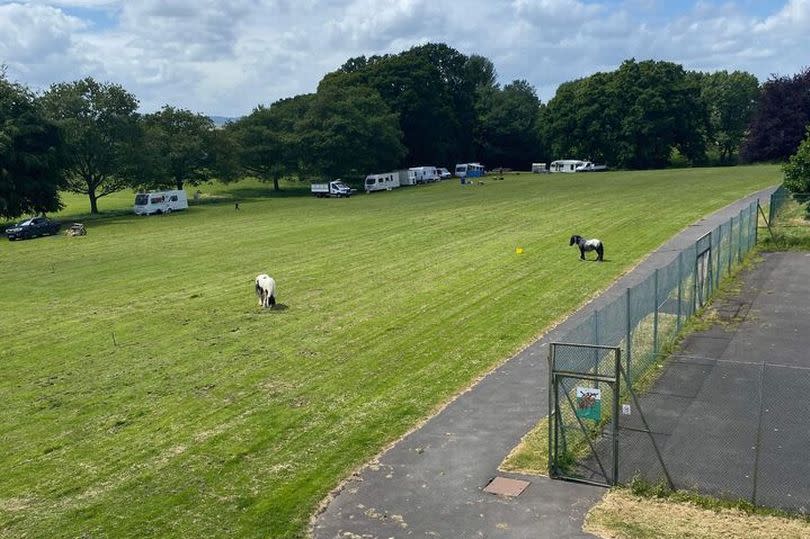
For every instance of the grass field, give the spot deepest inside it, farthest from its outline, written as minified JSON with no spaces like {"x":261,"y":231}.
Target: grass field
{"x":145,"y":393}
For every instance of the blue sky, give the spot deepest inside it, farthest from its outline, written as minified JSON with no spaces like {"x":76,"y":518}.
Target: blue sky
{"x":227,"y":57}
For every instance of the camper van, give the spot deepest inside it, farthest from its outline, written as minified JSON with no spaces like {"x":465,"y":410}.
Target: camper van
{"x":160,"y":202}
{"x":424,"y":174}
{"x":381,"y":182}
{"x":469,"y":170}
{"x":566,"y":165}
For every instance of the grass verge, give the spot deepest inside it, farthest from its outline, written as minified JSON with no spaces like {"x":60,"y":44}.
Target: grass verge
{"x":624,"y":514}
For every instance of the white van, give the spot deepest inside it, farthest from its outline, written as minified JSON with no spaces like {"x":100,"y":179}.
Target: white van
{"x":381,"y":182}
{"x":160,"y":202}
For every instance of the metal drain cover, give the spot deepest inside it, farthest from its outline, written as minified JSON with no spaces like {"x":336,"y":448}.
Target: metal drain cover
{"x":503,"y":486}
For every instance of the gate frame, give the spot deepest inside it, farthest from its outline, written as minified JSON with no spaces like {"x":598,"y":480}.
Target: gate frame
{"x":615,"y":382}
{"x":707,"y":278}
{"x":555,"y":412}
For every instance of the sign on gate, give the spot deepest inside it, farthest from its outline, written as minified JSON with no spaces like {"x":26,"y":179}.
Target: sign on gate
{"x":589,"y":403}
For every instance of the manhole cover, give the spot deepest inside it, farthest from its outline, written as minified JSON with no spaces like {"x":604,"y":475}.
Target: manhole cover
{"x":504,"y":486}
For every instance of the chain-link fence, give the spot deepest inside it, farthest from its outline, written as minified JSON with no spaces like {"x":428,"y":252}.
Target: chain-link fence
{"x":648,"y":316}
{"x":633,"y":433}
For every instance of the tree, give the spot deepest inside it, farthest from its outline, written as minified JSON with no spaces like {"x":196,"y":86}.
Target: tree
{"x":31,"y":154}
{"x":507,"y":133}
{"x":782,"y":113}
{"x":797,"y":169}
{"x":730,"y":100}
{"x":350,"y":132}
{"x":101,"y":132}
{"x":180,"y":148}
{"x":268,"y":140}
{"x":632,"y":117}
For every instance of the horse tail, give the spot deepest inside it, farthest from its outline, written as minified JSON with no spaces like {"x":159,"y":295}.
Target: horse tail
{"x":600,"y":250}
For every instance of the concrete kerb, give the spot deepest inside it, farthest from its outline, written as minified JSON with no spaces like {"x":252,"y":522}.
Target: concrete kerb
{"x":432,"y":477}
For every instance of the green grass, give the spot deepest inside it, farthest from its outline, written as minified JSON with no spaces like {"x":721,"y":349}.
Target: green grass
{"x":145,"y":393}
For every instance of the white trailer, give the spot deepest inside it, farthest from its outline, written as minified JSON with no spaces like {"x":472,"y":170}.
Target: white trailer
{"x":539,"y":168}
{"x":424,"y":174}
{"x":566,"y":165}
{"x":406,"y":177}
{"x":156,"y":202}
{"x":335,"y":188}
{"x":469,"y":170}
{"x":381,"y":182}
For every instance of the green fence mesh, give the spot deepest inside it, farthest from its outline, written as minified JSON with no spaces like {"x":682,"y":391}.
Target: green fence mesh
{"x":648,"y":315}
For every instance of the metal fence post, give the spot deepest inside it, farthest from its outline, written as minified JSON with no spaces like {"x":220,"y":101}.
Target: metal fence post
{"x":629,"y":334}
{"x":596,"y":342}
{"x":655,"y":318}
{"x":680,"y":289}
{"x":730,"y":243}
{"x":739,"y":242}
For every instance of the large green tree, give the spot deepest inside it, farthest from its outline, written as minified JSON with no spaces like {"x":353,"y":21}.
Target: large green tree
{"x":31,"y":154}
{"x":101,"y":133}
{"x":180,"y":148}
{"x":632,"y":117}
{"x":433,"y":89}
{"x":350,"y":132}
{"x":268,"y":140}
{"x":506,"y":131}
{"x":730,"y":100}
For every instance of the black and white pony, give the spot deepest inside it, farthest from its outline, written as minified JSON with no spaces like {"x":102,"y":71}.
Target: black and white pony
{"x":266,"y":290}
{"x":587,"y":246}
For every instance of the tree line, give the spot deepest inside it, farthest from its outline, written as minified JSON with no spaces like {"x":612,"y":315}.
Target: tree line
{"x":429,"y":105}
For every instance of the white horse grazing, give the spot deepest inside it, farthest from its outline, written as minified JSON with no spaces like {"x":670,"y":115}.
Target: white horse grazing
{"x":266,"y":290}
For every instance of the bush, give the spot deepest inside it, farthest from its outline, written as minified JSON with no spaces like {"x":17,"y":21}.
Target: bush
{"x":797,"y":169}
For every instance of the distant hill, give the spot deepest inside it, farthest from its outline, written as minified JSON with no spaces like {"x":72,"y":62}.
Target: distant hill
{"x":219,"y":121}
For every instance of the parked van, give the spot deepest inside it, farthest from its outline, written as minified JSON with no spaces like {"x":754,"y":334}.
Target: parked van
{"x":539,"y":168}
{"x":160,"y":202}
{"x":469,"y":170}
{"x":381,"y":182}
{"x":424,"y":174}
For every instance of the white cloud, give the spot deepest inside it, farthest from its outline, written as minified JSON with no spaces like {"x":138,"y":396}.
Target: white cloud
{"x":226,"y":57}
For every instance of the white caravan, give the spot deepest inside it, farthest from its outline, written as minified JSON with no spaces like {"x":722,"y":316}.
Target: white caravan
{"x":424,"y":174}
{"x":469,"y":170}
{"x":381,"y":182}
{"x":566,"y":165}
{"x":160,"y":202}
{"x":406,"y":177}
{"x":539,"y":168}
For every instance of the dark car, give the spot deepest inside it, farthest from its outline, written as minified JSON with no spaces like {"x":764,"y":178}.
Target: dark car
{"x":38,"y":226}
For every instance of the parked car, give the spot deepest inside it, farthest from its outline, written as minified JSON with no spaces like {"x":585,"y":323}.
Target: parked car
{"x":444,"y":174}
{"x":31,"y":228}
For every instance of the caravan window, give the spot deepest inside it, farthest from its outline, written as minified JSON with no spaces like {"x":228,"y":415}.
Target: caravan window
{"x":174,"y":198}
{"x":156,"y":200}
{"x":141,"y":200}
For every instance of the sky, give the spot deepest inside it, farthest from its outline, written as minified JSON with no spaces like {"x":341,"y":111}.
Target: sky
{"x":227,"y":57}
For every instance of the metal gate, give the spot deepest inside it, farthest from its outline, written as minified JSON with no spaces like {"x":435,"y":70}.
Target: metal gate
{"x":583,"y":400}
{"x":589,"y":394}
{"x":703,"y":271}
